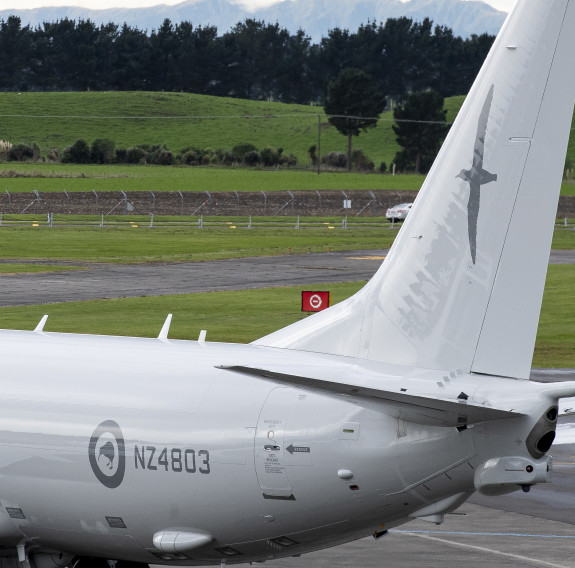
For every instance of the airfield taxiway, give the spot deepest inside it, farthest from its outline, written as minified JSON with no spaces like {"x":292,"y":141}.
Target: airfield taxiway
{"x":517,"y":530}
{"x":96,"y":281}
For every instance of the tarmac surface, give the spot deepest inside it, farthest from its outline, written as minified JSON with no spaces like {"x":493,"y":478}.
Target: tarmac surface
{"x":96,"y":281}
{"x":516,"y":530}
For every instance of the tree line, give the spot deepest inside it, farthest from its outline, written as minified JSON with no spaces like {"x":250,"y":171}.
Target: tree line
{"x":253,"y":60}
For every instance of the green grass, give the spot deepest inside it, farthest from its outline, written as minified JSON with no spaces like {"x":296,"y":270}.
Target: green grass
{"x":243,"y":316}
{"x":556,"y":333}
{"x":58,"y":119}
{"x":238,"y":317}
{"x":130,"y":245}
{"x":16,"y":177}
{"x":15,"y":268}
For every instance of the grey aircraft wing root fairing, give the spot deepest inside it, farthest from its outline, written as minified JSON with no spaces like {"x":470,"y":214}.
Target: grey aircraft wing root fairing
{"x":398,"y":403}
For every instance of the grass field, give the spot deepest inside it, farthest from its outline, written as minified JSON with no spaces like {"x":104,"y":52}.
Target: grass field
{"x":178,"y":120}
{"x":127,"y":244}
{"x":241,"y":317}
{"x":16,"y":177}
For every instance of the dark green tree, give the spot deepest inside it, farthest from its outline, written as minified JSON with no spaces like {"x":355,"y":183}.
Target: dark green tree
{"x":353,"y":104}
{"x":420,"y":130}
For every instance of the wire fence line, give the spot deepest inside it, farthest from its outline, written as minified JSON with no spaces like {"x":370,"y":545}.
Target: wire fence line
{"x":201,"y":222}
{"x":305,"y":203}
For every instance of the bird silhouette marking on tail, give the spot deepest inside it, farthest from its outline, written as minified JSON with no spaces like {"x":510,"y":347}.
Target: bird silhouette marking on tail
{"x":477,"y":176}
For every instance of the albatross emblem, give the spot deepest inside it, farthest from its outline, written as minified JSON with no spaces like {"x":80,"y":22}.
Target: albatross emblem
{"x":477,"y":176}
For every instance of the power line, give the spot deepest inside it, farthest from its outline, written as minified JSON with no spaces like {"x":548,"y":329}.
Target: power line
{"x":220,"y":117}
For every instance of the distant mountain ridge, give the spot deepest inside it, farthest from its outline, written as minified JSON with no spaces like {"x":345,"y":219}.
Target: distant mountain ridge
{"x":315,"y":17}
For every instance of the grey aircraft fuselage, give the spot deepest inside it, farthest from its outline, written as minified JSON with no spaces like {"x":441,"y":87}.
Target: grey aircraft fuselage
{"x":96,"y":449}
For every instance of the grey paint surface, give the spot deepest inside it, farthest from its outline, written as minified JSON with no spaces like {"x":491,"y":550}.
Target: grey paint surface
{"x":125,"y":280}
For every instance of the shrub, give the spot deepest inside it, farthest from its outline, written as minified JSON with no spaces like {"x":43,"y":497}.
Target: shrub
{"x":312,"y":154}
{"x":361,"y":162}
{"x":21,"y":153}
{"x":252,"y":158}
{"x":53,"y":155}
{"x":136,"y":155}
{"x":4,"y":149}
{"x":382,"y":167}
{"x":102,"y":151}
{"x":290,"y":160}
{"x":163,"y":157}
{"x":78,"y":153}
{"x":270,"y":156}
{"x":239,"y":151}
{"x":121,"y":156}
{"x":334,"y":160}
{"x":191,"y":157}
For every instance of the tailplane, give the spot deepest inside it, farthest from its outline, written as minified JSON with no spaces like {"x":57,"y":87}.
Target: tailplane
{"x":462,"y":285}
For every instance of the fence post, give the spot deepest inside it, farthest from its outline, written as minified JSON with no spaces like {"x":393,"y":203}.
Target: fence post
{"x":265,"y":203}
{"x":291,"y":202}
{"x":344,"y":223}
{"x":97,"y":201}
{"x":153,"y":203}
{"x":201,"y":222}
{"x":319,"y":199}
{"x":151,"y":221}
{"x":102,"y":222}
{"x":250,"y":223}
{"x":297,"y":223}
{"x":37,"y":200}
{"x":238,"y":206}
{"x":181,"y":202}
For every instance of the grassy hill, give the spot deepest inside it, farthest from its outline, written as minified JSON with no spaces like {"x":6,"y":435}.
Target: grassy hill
{"x":179,"y":120}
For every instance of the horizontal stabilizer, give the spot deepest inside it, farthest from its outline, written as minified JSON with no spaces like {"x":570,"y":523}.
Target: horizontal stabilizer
{"x":415,"y":408}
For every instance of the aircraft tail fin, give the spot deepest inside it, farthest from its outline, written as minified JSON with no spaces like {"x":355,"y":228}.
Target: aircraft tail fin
{"x":462,"y":285}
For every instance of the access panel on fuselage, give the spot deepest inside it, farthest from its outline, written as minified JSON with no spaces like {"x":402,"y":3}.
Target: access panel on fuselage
{"x":270,"y":451}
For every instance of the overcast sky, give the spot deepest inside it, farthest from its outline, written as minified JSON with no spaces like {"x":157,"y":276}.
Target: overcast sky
{"x":505,"y":5}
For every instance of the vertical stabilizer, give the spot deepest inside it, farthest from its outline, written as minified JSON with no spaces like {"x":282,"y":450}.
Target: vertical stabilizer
{"x":462,"y":285}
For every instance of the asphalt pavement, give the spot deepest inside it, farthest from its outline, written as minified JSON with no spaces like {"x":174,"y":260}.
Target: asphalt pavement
{"x":95,"y":281}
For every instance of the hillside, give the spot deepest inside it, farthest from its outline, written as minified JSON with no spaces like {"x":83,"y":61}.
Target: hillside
{"x":179,"y":120}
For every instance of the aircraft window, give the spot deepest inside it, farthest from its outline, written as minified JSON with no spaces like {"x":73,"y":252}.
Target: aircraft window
{"x":15,"y":513}
{"x":116,"y":522}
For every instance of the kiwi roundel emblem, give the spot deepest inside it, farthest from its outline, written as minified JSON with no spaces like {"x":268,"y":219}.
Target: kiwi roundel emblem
{"x":107,"y":454}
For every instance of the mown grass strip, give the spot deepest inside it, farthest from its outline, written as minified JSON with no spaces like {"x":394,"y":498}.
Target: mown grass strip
{"x":243,"y":316}
{"x":17,"y":268}
{"x":135,"y":243}
{"x":17,"y":178}
{"x":238,"y":317}
{"x":175,"y":244}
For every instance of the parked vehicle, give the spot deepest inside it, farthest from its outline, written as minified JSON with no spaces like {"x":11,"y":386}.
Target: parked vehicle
{"x":398,"y":212}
